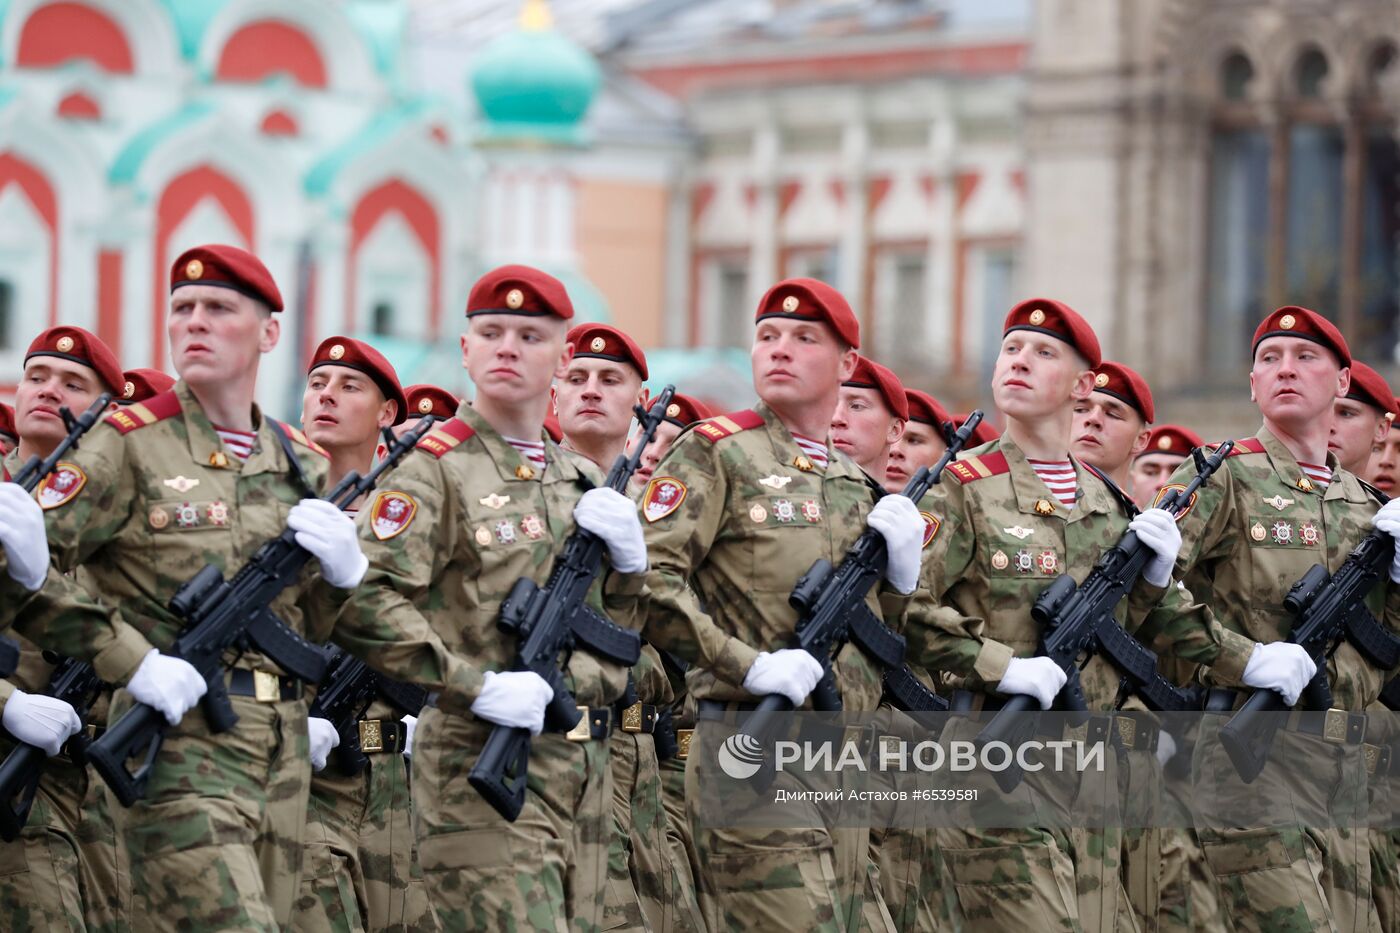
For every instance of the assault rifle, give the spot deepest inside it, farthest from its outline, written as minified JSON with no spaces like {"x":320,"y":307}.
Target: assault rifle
{"x":347,"y":690}
{"x":550,"y":620}
{"x":1077,"y":619}
{"x":223,"y":614}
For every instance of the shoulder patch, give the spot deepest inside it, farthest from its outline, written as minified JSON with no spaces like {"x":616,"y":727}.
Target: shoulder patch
{"x":61,"y":486}
{"x":162,"y":406}
{"x":980,"y":467}
{"x":931,"y":525}
{"x":300,"y":438}
{"x":446,"y":436}
{"x":1250,"y":445}
{"x":391,"y":514}
{"x":1178,"y":488}
{"x":714,"y":429}
{"x":663,"y":495}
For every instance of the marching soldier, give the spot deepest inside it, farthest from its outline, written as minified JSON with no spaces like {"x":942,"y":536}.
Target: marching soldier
{"x":1361,"y":421}
{"x":871,"y":413}
{"x":1112,"y":425}
{"x":359,"y":870}
{"x":1168,"y":445}
{"x":689,"y":411}
{"x":736,"y":512}
{"x":425,"y":400}
{"x":1383,"y":469}
{"x":486,"y":501}
{"x":923,"y":441}
{"x":594,"y":402}
{"x":1281,"y":504}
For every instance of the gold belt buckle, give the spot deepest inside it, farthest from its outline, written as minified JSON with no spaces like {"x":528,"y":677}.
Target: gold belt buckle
{"x":1372,"y":754}
{"x":1127,"y":730}
{"x":371,"y":735}
{"x":1334,"y":725}
{"x":632,"y":718}
{"x":583,"y":731}
{"x":266,"y":687}
{"x":683,"y":737}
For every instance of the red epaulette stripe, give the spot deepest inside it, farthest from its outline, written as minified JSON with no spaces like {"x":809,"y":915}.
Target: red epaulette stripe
{"x":307,"y":442}
{"x":1250,"y":445}
{"x":446,"y":436}
{"x":714,"y":429}
{"x":141,"y":414}
{"x":975,"y":468}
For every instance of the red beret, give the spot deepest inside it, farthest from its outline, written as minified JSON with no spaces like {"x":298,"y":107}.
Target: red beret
{"x":227,"y":267}
{"x":1370,"y":387}
{"x":1056,"y":319}
{"x":927,"y":409}
{"x":7,"y":422}
{"x":430,"y":400}
{"x":684,"y":410}
{"x":79,"y":346}
{"x":811,"y":300}
{"x":1128,"y":387}
{"x":519,"y":290}
{"x":1292,"y":321}
{"x":141,"y":384}
{"x":984,"y":433}
{"x":360,"y":356}
{"x":553,"y":428}
{"x":869,"y":374}
{"x":1172,"y":439}
{"x":604,"y":342}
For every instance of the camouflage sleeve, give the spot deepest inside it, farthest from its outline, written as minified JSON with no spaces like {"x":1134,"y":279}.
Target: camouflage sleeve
{"x":64,"y":616}
{"x":653,"y":686}
{"x":677,"y":543}
{"x":942,"y":636}
{"x":380,"y":622}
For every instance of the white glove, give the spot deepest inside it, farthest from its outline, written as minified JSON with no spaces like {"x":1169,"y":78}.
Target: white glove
{"x":1386,"y":520}
{"x":170,"y":685}
{"x":898,"y":520}
{"x":22,"y":533}
{"x":791,"y":672}
{"x":1157,"y":530}
{"x":323,"y":739}
{"x":613,"y":517}
{"x":1280,"y":666}
{"x":330,"y":534}
{"x":1166,"y":748}
{"x":410,"y":724}
{"x":514,"y":698}
{"x":40,"y":721}
{"x":1038,"y":678}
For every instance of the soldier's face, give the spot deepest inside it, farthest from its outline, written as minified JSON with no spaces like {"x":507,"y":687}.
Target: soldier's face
{"x":661,"y":441}
{"x":796,"y":362}
{"x":1150,"y":473}
{"x":862,"y":427}
{"x":217,"y":335}
{"x":1037,"y":375}
{"x":50,"y":383}
{"x":595,"y":398}
{"x":1357,"y":428}
{"x":342,"y":407}
{"x":1383,"y":471}
{"x":1295,"y":381}
{"x":1107,"y":433}
{"x":513,"y":359}
{"x":919,"y":446}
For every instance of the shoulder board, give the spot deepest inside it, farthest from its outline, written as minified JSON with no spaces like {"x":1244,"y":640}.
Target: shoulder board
{"x":1125,"y":500}
{"x":446,"y":436}
{"x":1375,"y":493}
{"x":979,"y":467}
{"x":1250,"y":445}
{"x":304,"y":441}
{"x":713,"y":429}
{"x":131,"y":417}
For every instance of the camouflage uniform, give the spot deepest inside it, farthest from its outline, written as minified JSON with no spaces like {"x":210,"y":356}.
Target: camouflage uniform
{"x":479,"y":518}
{"x":1001,"y":538}
{"x":1256,"y":529}
{"x":738,"y":513}
{"x":685,"y":858}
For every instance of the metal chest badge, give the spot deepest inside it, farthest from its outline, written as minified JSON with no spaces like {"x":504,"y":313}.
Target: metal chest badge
{"x":1048,"y":562}
{"x":186,"y":515}
{"x":1000,"y":561}
{"x":783,"y":511}
{"x":1025,"y":562}
{"x":1309,"y":534}
{"x":812,"y":511}
{"x":532,"y":526}
{"x":505,"y":531}
{"x":1282,"y":532}
{"x":217,"y":513}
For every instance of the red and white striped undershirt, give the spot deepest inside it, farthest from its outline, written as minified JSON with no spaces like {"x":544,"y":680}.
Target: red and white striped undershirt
{"x":1322,"y":475}
{"x":815,"y":450}
{"x":530,"y":450}
{"x":1058,"y":477}
{"x":238,"y":443}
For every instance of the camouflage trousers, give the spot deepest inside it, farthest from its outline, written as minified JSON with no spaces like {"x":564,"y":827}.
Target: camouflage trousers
{"x":68,"y":870}
{"x":644,"y":887}
{"x":685,"y":858}
{"x":1057,"y":876}
{"x":545,"y":871}
{"x":217,"y":842}
{"x":360,"y":869}
{"x":1289,"y":874}
{"x":1385,"y":877}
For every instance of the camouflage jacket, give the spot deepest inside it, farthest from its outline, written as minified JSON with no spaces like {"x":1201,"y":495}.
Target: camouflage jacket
{"x":734,"y":515}
{"x":1259,"y":526}
{"x":999,"y":537}
{"x":455,"y":526}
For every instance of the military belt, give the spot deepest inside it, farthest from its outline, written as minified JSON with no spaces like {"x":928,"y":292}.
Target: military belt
{"x":594,"y":724}
{"x":1332,"y":725}
{"x":263,"y":686}
{"x":382,"y":735}
{"x":637,"y":718}
{"x":1381,"y":760}
{"x":683,"y":737}
{"x":1136,"y":733}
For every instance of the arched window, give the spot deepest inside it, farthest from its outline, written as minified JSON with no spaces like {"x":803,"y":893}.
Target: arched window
{"x":1235,"y":74}
{"x":382,"y":319}
{"x":1309,"y":72}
